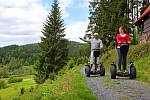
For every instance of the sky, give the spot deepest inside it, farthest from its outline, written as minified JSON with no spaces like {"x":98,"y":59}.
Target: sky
{"x":21,"y":21}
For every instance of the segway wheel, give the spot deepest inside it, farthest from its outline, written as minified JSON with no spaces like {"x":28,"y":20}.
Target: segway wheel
{"x":132,"y":72}
{"x":102,"y":71}
{"x":113,"y":71}
{"x":87,"y":71}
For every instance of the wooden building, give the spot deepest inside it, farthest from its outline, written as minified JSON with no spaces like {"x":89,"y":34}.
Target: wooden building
{"x":144,"y":23}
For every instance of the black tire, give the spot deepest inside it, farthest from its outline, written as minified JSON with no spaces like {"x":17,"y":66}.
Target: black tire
{"x":132,"y":72}
{"x":113,"y":71}
{"x":102,"y":71}
{"x":87,"y":71}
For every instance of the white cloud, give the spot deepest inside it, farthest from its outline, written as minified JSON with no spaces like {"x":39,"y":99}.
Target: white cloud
{"x":83,"y":4}
{"x":76,"y":30}
{"x":18,"y":39}
{"x":65,"y":4}
{"x":21,"y":21}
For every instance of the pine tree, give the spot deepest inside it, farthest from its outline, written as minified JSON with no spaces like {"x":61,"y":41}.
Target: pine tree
{"x":53,"y":46}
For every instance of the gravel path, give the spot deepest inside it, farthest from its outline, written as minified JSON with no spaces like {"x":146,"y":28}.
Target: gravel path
{"x":105,"y":88}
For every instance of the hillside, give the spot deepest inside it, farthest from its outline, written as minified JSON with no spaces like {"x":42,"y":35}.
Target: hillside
{"x":28,"y":54}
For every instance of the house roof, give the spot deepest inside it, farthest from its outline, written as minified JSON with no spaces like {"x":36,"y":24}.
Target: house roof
{"x":146,"y":12}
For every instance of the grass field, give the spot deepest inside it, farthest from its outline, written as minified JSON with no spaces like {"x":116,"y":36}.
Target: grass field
{"x":13,"y":89}
{"x":68,"y":86}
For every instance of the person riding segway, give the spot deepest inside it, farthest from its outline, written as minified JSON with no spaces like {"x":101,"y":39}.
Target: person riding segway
{"x":123,"y":41}
{"x":96,"y":45}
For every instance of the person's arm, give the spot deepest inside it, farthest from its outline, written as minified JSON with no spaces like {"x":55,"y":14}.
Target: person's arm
{"x":128,"y":39}
{"x":85,"y":40}
{"x":118,"y":39}
{"x":101,"y":44}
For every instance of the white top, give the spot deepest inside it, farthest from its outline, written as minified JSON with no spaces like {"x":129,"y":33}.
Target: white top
{"x":95,"y":43}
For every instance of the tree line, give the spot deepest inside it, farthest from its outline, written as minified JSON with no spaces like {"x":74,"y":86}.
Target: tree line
{"x":107,"y":15}
{"x":14,"y":54}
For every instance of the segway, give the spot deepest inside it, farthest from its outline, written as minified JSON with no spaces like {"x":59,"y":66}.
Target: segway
{"x":131,"y":71}
{"x":101,"y":68}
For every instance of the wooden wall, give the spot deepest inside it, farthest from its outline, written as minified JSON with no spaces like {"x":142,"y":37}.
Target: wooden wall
{"x":145,"y":36}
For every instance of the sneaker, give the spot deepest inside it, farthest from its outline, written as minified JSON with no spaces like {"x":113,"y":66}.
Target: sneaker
{"x":119,"y":71}
{"x":93,"y":69}
{"x":125,"y":71}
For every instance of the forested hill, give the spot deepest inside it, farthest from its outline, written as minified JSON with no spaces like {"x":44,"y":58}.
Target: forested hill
{"x":28,"y":54}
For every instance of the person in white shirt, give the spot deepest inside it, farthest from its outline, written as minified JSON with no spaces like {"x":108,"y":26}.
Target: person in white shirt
{"x":96,"y":44}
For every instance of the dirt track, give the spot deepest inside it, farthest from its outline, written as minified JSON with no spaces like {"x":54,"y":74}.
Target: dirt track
{"x":105,"y":88}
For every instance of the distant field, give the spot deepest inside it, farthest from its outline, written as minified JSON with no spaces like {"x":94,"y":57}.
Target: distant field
{"x":14,"y":88}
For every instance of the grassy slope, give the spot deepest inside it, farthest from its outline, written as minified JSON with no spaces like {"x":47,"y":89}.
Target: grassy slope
{"x":70,"y":86}
{"x":141,"y":62}
{"x":143,"y":69}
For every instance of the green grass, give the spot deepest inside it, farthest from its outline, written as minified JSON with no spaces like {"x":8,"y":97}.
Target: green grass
{"x":143,"y":69}
{"x":70,"y":85}
{"x":108,"y":58}
{"x":13,"y":89}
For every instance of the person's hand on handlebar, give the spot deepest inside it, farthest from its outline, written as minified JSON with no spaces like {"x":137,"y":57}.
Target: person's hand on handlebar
{"x":80,"y":38}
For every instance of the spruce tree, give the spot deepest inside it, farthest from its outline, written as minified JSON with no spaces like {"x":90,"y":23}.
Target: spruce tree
{"x":53,"y":46}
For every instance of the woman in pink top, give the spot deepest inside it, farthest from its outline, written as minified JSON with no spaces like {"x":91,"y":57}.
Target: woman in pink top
{"x":123,"y":41}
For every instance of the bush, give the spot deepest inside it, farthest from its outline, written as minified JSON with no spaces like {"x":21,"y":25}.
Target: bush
{"x":139,"y":51}
{"x":4,"y":73}
{"x":71,"y":63}
{"x":25,"y":70}
{"x":81,"y":60}
{"x":15,"y":79}
{"x":3,"y":84}
{"x":31,"y":89}
{"x":22,"y":90}
{"x":16,"y":98}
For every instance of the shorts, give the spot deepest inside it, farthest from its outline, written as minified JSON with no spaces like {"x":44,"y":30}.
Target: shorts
{"x":92,"y":60}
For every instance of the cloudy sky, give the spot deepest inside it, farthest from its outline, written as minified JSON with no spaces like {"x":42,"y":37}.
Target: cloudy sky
{"x":21,"y":20}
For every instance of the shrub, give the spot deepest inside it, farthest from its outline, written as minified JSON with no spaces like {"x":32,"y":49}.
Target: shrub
{"x":3,"y":84}
{"x":16,"y":98}
{"x":139,"y":51}
{"x":22,"y":90}
{"x":81,"y":60}
{"x":15,"y":79}
{"x":31,"y":89}
{"x":24,"y":70}
{"x":4,"y":72}
{"x":71,"y":63}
